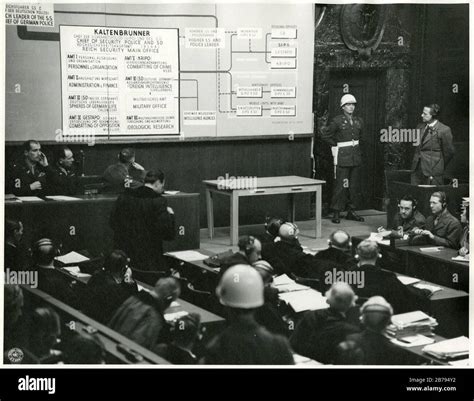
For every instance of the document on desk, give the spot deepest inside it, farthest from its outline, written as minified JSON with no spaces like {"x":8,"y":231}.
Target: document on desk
{"x":377,"y":237}
{"x":62,"y":198}
{"x":302,"y":301}
{"x":188,"y":256}
{"x":431,"y":288}
{"x":460,"y":258}
{"x":431,"y":249}
{"x":171,"y":192}
{"x":413,"y":341}
{"x":452,"y":348}
{"x":171,"y":317}
{"x":30,"y":199}
{"x":291,"y":287}
{"x":408,"y":280}
{"x":282,"y":280}
{"x":76,"y":272}
{"x":71,"y":257}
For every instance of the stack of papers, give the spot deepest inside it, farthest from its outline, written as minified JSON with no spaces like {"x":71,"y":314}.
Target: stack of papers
{"x":72,"y":258}
{"x":377,"y":237}
{"x":188,"y":256}
{"x":431,"y":288}
{"x":76,"y":272}
{"x":411,"y":323}
{"x":301,"y":301}
{"x":449,"y":349}
{"x":285,"y":284}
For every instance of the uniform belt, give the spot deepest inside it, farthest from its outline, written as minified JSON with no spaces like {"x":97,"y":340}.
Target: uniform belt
{"x":348,"y":143}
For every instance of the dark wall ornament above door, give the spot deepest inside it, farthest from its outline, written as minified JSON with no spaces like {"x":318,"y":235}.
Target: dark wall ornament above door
{"x":362,"y":27}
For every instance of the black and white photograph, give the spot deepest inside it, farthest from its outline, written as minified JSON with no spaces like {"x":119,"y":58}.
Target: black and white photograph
{"x":251,"y":185}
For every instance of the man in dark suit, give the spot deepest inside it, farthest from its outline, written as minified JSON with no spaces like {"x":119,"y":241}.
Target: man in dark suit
{"x":382,"y":282}
{"x":435,"y":150}
{"x":338,"y":256}
{"x":15,"y":255}
{"x":442,"y":228}
{"x":289,"y":252}
{"x":319,"y":332}
{"x":127,"y":173}
{"x":141,"y":221}
{"x":250,"y":250}
{"x":344,"y":134}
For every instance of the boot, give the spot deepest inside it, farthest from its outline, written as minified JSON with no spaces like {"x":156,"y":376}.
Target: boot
{"x":352,"y":215}
{"x":336,"y":218}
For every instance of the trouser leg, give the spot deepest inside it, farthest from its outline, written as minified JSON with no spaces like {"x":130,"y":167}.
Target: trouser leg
{"x":354,"y":187}
{"x":417,"y":177}
{"x":340,"y":191}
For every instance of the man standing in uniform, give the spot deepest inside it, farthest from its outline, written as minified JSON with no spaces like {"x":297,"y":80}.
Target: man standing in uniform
{"x":434,"y":151}
{"x":344,"y":134}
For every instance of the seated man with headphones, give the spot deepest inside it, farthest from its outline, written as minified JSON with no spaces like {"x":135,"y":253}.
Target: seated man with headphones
{"x":250,"y":250}
{"x":290,"y":252}
{"x":407,"y":219}
{"x":442,"y":228}
{"x":51,"y":280}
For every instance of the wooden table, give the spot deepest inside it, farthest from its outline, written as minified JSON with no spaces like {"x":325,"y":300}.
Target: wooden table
{"x":241,"y":186}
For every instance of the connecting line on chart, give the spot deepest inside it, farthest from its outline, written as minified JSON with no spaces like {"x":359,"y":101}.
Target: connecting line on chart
{"x":190,"y":97}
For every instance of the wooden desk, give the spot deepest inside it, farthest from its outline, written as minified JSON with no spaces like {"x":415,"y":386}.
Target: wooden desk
{"x":84,"y":223}
{"x":436,"y":268}
{"x":290,"y":185}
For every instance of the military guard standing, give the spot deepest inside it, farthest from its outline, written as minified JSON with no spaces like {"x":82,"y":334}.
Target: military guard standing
{"x":344,"y":134}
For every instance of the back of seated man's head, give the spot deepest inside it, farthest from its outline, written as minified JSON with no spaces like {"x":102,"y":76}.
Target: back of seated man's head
{"x":273,"y":225}
{"x":116,"y":262}
{"x":155,"y":179}
{"x":368,"y":252}
{"x":126,"y":155}
{"x":288,"y":232}
{"x":84,"y":348}
{"x":251,"y":247}
{"x":376,"y":314}
{"x":13,"y":229}
{"x":46,"y":329}
{"x":44,"y":252}
{"x":341,"y":297}
{"x":265,"y":270}
{"x":187,"y":329}
{"x":340,"y":239}
{"x":13,"y":300}
{"x":166,"y":291}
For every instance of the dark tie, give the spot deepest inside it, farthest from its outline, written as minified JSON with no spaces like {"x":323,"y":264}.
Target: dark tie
{"x":425,"y":133}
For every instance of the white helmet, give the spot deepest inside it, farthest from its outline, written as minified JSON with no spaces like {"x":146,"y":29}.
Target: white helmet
{"x":241,"y":286}
{"x":348,"y":99}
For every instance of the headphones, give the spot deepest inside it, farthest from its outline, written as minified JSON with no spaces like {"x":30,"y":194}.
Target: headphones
{"x":293,"y":230}
{"x":409,"y":198}
{"x":44,"y":242}
{"x":442,"y":197}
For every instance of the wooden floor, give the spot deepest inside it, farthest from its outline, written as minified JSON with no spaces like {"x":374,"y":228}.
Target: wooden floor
{"x":373,"y":219}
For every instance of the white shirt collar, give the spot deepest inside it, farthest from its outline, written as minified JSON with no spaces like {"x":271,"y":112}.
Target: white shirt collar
{"x":433,"y":124}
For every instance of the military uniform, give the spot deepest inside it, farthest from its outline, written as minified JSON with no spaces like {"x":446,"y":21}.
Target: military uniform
{"x":416,"y":220}
{"x":347,"y":137}
{"x":21,"y":176}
